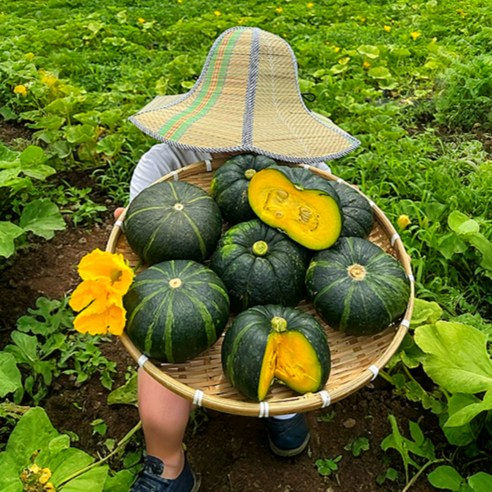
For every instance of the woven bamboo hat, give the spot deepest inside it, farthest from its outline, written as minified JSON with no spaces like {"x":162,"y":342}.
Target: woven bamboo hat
{"x":247,"y":99}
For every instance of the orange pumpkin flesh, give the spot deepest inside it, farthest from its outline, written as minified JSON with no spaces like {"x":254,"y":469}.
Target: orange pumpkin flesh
{"x":290,"y":358}
{"x":310,"y":217}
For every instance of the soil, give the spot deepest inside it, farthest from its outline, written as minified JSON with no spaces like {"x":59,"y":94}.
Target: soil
{"x":230,"y":452}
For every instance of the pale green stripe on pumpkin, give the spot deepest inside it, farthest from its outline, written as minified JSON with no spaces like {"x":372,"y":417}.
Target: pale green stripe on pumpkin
{"x":208,"y":95}
{"x":168,"y":332}
{"x":161,"y":222}
{"x":196,"y":230}
{"x":205,"y":316}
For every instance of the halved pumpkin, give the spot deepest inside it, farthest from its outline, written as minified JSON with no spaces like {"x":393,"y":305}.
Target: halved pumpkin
{"x":271,"y":342}
{"x":298,"y":202}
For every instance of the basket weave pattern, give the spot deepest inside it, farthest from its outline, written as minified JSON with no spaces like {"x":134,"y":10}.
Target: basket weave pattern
{"x":355,"y":360}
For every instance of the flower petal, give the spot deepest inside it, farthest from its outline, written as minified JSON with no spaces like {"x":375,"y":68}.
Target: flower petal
{"x":103,"y":264}
{"x":111,"y":319}
{"x":88,"y":291}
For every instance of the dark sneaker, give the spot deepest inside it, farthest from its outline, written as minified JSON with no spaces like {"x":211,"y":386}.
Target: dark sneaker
{"x":288,"y":437}
{"x":150,"y":480}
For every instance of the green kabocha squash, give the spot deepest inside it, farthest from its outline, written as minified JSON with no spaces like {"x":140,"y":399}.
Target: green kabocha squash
{"x":356,"y":287}
{"x":358,"y":217}
{"x":275,"y":342}
{"x":260,"y":265}
{"x":173,"y":220}
{"x":305,"y":206}
{"x":175,"y":310}
{"x":229,"y":186}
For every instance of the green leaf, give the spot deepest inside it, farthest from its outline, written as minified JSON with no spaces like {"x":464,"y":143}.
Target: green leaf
{"x":464,"y":434}
{"x":481,"y":482}
{"x":469,"y":412}
{"x":369,"y":51}
{"x":120,"y":482}
{"x":92,"y":480}
{"x":8,"y":233}
{"x":42,"y":217}
{"x":461,"y":224}
{"x":66,"y":463}
{"x":425,"y":312}
{"x":456,"y":356}
{"x":379,"y":73}
{"x":33,"y":431}
{"x":126,"y":394}
{"x":446,"y":477}
{"x":32,"y":156}
{"x":10,"y":376}
{"x":27,"y":346}
{"x":9,"y":478}
{"x":80,"y":133}
{"x":7,"y":154}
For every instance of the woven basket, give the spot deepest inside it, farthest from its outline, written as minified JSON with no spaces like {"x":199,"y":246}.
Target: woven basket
{"x":355,"y":360}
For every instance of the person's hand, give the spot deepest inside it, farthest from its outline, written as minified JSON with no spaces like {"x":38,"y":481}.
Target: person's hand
{"x":118,"y":212}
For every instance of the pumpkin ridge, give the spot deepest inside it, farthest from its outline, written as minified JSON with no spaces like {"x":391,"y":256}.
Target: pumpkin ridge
{"x":209,"y":322}
{"x":162,"y":221}
{"x":198,"y":236}
{"x":137,"y":309}
{"x":155,"y":322}
{"x":237,"y":341}
{"x":331,"y":286}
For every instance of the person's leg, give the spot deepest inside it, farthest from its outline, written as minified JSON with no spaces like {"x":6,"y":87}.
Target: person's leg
{"x":164,"y":418}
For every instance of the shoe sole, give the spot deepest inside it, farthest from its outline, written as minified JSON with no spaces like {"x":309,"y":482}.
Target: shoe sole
{"x":285,"y":453}
{"x":197,"y":482}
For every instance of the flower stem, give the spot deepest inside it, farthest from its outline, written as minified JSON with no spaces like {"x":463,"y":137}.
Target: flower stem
{"x":119,"y":446}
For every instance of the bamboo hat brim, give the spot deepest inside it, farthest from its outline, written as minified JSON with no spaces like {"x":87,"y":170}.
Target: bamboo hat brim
{"x":247,"y":99}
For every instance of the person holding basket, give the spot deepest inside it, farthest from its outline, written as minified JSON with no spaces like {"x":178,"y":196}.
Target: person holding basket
{"x":246,"y":100}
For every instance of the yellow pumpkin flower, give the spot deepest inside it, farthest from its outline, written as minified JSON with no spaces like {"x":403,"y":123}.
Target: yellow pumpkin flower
{"x":387,"y":28}
{"x":93,"y":320}
{"x":141,"y":20}
{"x":415,"y":34}
{"x":106,"y":278}
{"x":90,"y":291}
{"x":48,"y":79}
{"x":20,"y":89}
{"x":49,"y":487}
{"x":366,"y":65}
{"x":403,"y":221}
{"x":217,"y":13}
{"x":310,"y":5}
{"x":279,"y":10}
{"x":34,"y":468}
{"x":45,"y":476}
{"x":100,"y":265}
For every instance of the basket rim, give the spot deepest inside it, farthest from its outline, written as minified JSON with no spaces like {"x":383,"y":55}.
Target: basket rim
{"x":298,"y":403}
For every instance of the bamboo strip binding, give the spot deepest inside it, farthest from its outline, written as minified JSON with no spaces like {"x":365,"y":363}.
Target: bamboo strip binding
{"x":355,"y":360}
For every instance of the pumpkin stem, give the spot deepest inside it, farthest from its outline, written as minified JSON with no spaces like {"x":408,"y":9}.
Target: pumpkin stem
{"x":178,"y":206}
{"x":260,"y":248}
{"x":357,"y":272}
{"x":175,"y":283}
{"x":249,"y":173}
{"x":278,"y":324}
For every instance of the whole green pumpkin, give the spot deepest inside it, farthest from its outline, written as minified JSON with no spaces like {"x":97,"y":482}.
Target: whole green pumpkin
{"x":275,"y":342}
{"x":356,"y":287}
{"x":358,"y":217}
{"x":175,"y":310}
{"x":260,"y":265}
{"x":172,"y":220}
{"x":229,"y":186}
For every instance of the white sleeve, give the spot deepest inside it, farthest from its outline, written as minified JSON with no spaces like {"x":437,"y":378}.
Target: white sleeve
{"x":158,"y":161}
